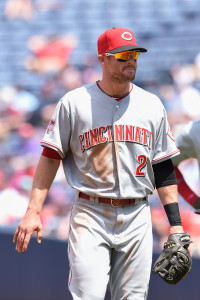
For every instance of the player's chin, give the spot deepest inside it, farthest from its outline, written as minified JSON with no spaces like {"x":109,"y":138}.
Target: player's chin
{"x":130,"y":76}
{"x":129,"y":71}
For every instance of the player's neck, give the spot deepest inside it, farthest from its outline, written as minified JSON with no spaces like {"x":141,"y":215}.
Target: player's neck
{"x":115,"y":89}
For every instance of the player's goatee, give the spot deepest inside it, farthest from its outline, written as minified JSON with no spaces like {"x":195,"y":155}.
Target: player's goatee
{"x":123,"y":77}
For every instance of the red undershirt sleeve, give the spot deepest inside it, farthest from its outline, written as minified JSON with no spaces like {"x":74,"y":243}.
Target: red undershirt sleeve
{"x":48,"y":152}
{"x":183,"y":189}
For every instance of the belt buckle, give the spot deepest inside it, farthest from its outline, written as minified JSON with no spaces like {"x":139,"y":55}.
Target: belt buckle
{"x":113,"y":203}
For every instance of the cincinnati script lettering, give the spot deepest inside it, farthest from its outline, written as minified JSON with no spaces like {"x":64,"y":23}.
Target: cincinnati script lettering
{"x":119,"y":133}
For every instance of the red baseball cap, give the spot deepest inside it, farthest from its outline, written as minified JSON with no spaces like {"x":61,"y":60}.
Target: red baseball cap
{"x":116,"y":40}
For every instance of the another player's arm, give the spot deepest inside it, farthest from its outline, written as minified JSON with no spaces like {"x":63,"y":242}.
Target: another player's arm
{"x":31,"y":222}
{"x":186,"y":143}
{"x":185,"y":191}
{"x":183,"y":188}
{"x":166,"y":184}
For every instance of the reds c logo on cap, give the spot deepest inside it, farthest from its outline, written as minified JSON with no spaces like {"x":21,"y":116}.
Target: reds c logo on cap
{"x":127,"y":36}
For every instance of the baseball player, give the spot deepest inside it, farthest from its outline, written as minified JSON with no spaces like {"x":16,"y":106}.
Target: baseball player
{"x":188,"y":142}
{"x":116,"y":146}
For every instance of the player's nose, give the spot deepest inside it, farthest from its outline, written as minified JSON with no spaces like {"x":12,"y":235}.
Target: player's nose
{"x":131,"y":59}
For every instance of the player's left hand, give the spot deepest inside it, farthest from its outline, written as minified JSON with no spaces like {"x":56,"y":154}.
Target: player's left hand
{"x":176,"y":229}
{"x":175,"y":261}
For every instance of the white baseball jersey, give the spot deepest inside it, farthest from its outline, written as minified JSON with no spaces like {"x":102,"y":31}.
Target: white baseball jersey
{"x":188,"y":142}
{"x":108,"y":147}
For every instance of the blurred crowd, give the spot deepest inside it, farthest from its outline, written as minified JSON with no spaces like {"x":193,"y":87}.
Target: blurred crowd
{"x":25,"y":113}
{"x":24,"y":116}
{"x":26,"y":9}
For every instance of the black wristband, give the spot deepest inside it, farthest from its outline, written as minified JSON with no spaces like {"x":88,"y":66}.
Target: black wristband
{"x":173,"y":214}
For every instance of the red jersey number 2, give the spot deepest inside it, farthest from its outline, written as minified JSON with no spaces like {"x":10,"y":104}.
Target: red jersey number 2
{"x":142,"y":160}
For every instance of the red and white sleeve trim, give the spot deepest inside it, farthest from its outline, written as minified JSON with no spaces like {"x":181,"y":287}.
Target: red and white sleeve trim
{"x":170,"y":155}
{"x":51,"y":153}
{"x":52,"y":146}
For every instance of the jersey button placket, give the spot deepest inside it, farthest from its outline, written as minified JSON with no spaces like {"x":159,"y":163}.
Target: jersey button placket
{"x":118,"y":144}
{"x":117,"y":112}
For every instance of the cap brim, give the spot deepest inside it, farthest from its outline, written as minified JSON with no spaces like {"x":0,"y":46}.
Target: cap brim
{"x":127,"y":48}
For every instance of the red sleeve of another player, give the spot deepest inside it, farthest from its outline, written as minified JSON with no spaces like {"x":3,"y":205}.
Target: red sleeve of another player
{"x":48,"y":152}
{"x":183,"y":189}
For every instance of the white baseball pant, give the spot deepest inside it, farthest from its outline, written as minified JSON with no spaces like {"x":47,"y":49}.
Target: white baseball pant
{"x":109,"y":243}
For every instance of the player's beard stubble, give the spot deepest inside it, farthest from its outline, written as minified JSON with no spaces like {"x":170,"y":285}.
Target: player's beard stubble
{"x":126,"y":74}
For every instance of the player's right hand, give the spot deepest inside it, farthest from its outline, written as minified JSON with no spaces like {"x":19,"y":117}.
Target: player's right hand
{"x":28,"y":225}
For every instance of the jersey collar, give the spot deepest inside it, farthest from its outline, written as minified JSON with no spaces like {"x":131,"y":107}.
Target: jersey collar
{"x":116,"y":98}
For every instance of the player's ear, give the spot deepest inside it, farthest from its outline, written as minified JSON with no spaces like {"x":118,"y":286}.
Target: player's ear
{"x":102,"y":59}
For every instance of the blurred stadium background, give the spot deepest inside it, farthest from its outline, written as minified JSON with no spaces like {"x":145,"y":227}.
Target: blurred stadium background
{"x":48,"y":47}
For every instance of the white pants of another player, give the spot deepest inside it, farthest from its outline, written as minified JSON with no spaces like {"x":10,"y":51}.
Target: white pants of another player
{"x":113,"y":244}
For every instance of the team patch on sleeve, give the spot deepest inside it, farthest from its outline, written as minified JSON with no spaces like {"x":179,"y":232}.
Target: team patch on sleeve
{"x":51,"y":126}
